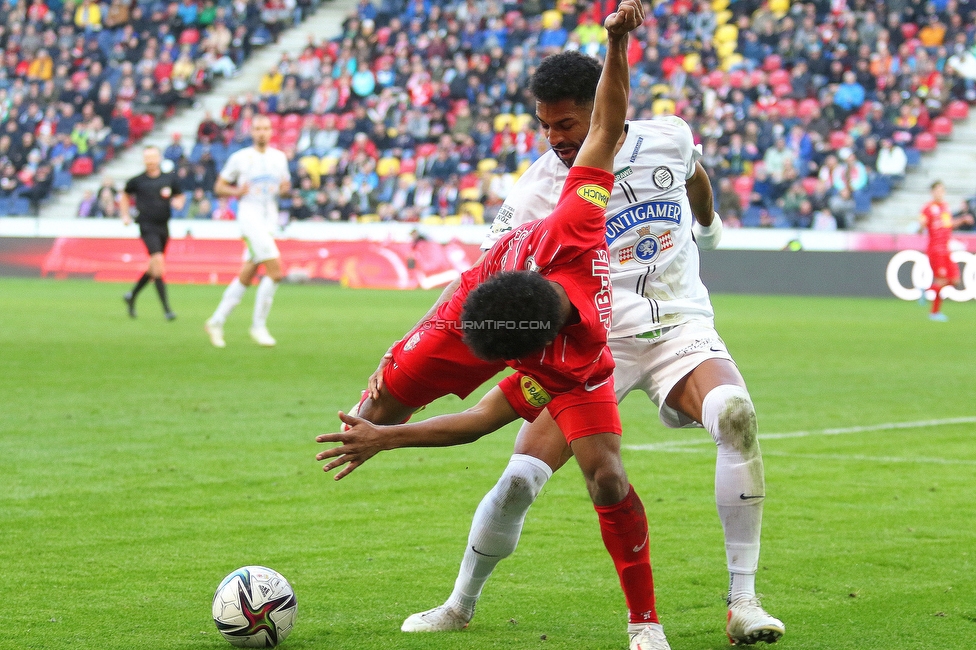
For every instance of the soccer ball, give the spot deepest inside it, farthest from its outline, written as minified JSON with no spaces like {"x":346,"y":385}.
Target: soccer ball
{"x":254,"y":607}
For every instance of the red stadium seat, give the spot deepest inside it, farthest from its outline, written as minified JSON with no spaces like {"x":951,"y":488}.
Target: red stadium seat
{"x":925,"y":141}
{"x":782,"y":90}
{"x":408,"y":165}
{"x":275,"y":120}
{"x":809,"y":184}
{"x":941,"y":127}
{"x":715,"y":79}
{"x":787,"y":107}
{"x":957,"y":110}
{"x":736,"y":77}
{"x":426,"y":149}
{"x":742,"y":185}
{"x":838,"y":139}
{"x":291,"y":121}
{"x":908,"y":30}
{"x":779,"y":77}
{"x":806,"y":107}
{"x":772,"y":62}
{"x":757,"y":77}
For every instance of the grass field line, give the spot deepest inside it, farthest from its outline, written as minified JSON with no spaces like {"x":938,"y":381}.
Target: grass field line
{"x":692,"y":445}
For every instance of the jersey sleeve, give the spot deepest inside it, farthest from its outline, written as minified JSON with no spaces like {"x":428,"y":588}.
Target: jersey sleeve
{"x":131,"y":187}
{"x":579,"y":219}
{"x":685,"y":141}
{"x":232,"y":169}
{"x":528,"y":201}
{"x":174,"y":185}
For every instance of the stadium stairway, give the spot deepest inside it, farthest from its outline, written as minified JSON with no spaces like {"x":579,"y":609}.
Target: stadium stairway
{"x":953,"y":162}
{"x":325,"y":22}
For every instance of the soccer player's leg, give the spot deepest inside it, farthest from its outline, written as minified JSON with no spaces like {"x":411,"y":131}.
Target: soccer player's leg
{"x":540,"y":449}
{"x":714,"y":394}
{"x":157,"y":268}
{"x":266,"y":252}
{"x":592,"y":427}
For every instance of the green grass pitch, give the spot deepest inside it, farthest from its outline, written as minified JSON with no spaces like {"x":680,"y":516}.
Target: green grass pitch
{"x":138,"y":466}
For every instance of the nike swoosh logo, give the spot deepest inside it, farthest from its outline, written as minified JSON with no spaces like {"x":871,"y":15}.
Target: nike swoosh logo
{"x":590,"y":389}
{"x":637,"y":549}
{"x":752,"y":496}
{"x":480,"y":553}
{"x":717,"y":349}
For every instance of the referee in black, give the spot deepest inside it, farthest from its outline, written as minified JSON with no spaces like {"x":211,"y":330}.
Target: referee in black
{"x":156,"y":194}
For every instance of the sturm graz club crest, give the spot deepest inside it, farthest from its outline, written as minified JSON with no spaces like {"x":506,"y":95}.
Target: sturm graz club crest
{"x":648,"y":246}
{"x":663,"y":177}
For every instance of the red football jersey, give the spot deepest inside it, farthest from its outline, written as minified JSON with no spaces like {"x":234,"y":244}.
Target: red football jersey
{"x":568,"y":247}
{"x":938,"y":221}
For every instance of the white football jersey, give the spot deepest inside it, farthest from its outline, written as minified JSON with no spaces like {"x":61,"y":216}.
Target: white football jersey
{"x":655,"y":267}
{"x":263,"y":172}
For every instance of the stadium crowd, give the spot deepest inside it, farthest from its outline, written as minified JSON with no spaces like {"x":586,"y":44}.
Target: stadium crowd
{"x":806,"y":111}
{"x":81,"y":79}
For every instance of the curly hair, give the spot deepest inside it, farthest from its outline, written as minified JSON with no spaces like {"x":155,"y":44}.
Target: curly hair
{"x":513,"y":314}
{"x":567,"y":75}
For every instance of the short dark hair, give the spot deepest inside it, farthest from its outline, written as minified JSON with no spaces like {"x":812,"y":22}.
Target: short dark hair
{"x":936,"y":184}
{"x":511,"y":315}
{"x":567,"y":75}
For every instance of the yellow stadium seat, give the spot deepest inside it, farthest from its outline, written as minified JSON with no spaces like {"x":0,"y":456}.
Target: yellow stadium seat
{"x":720,"y":5}
{"x":409,"y":177}
{"x":522,"y":166}
{"x":660,"y":89}
{"x":311,"y":165}
{"x":452,"y":220}
{"x":552,"y":19}
{"x":432,"y":220}
{"x":327,"y":165}
{"x":503,"y":121}
{"x":779,"y":7}
{"x":728,"y":62}
{"x":470,"y":193}
{"x":475,"y":209}
{"x":663,"y":107}
{"x":691,"y":63}
{"x":723,"y":17}
{"x":369,"y":218}
{"x":725,"y":50}
{"x":524,"y":121}
{"x":387,"y":166}
{"x":726,"y":34}
{"x":487,"y":165}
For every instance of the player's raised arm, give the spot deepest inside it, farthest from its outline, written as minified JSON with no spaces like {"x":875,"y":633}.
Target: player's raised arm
{"x":613,"y":91}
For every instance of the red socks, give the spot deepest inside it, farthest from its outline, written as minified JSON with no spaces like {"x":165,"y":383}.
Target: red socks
{"x":624,"y":529}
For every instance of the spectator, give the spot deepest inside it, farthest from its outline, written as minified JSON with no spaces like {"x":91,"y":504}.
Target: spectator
{"x":843,"y":207}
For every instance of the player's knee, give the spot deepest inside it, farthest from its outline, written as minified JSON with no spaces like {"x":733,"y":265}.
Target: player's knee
{"x":730,"y":417}
{"x":521,"y":482}
{"x":607,"y":485}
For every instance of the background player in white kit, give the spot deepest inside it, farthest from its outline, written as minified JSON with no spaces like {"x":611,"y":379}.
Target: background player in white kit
{"x":663,"y":339}
{"x":256,"y":176}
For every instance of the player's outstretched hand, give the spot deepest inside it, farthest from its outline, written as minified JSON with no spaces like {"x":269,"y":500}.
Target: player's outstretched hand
{"x":628,"y":17}
{"x":358,"y":444}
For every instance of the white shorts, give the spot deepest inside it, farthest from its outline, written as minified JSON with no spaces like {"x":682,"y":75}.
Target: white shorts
{"x":656,"y":365}
{"x":259,"y":243}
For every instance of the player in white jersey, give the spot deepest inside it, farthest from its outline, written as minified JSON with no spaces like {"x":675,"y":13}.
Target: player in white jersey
{"x":256,"y":176}
{"x":663,"y":339}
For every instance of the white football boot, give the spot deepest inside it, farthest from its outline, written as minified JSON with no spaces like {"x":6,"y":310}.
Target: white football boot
{"x":443,"y":618}
{"x":216,"y":332}
{"x":647,"y":637}
{"x":748,"y":623}
{"x":263,"y":337}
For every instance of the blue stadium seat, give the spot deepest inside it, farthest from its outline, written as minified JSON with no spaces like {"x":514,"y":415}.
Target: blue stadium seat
{"x":61,"y":180}
{"x":19,"y":207}
{"x":914,"y":157}
{"x":750,"y":218}
{"x":879,"y":187}
{"x":862,"y":202}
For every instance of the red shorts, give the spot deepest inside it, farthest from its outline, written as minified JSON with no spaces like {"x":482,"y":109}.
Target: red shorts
{"x":584,"y":411}
{"x":943,"y":267}
{"x":434,"y":362}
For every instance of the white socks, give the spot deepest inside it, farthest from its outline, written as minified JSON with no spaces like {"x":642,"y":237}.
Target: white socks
{"x":497,"y":526}
{"x":730,"y":417}
{"x":262,"y":304}
{"x":232,"y":297}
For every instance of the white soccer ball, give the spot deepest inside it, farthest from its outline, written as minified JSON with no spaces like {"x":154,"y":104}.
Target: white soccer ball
{"x":254,"y":607}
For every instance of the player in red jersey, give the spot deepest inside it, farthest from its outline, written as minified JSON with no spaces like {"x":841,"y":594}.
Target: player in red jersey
{"x":540,"y":303}
{"x":939,"y":222}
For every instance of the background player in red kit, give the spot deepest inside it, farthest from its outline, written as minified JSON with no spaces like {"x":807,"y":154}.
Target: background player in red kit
{"x":540,"y":303}
{"x":938,"y":220}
